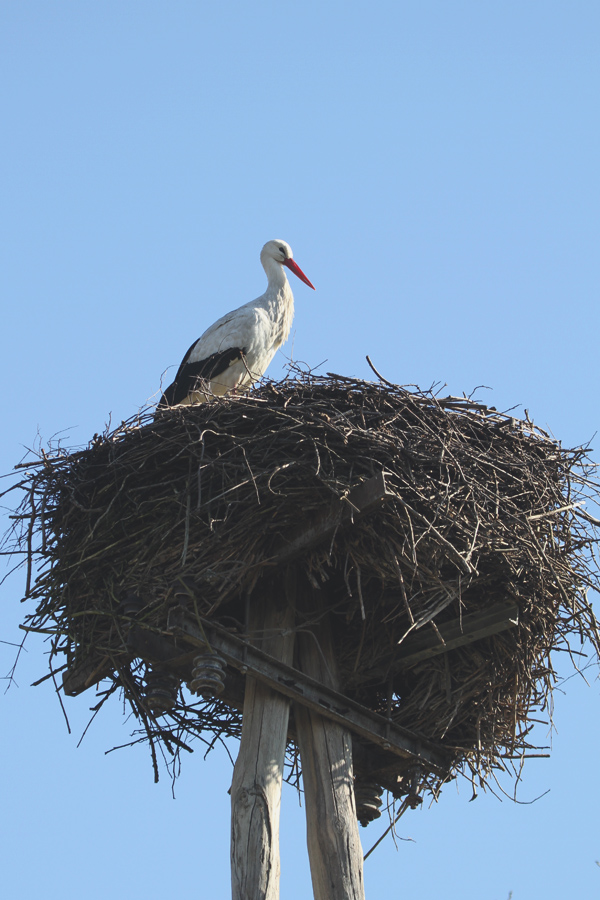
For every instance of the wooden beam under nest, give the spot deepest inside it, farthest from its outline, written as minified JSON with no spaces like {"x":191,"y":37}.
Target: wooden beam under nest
{"x":457,"y":633}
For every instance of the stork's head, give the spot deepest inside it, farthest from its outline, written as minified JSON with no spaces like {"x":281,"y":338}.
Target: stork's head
{"x":281,"y":252}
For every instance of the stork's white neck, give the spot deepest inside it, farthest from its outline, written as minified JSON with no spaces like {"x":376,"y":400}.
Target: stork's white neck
{"x":278,"y":301}
{"x":276,"y":277}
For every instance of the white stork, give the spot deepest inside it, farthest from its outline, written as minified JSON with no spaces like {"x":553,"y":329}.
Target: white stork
{"x":234,"y":352}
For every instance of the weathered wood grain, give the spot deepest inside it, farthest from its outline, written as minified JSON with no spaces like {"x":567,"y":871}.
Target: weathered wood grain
{"x":334,"y":848}
{"x":258,"y":772}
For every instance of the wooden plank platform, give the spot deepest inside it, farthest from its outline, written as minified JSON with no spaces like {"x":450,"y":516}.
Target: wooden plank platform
{"x":366,"y":497}
{"x":457,"y":633}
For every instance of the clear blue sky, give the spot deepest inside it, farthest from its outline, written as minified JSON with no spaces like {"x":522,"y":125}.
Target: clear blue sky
{"x":434,"y":165}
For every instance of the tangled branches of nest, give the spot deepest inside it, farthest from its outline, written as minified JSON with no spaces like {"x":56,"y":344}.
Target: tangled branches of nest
{"x":484,"y":510}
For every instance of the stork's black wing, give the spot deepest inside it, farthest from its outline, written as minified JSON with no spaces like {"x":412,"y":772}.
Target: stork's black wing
{"x":189,"y":374}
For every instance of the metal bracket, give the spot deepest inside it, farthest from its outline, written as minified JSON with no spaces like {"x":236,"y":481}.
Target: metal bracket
{"x":310,"y":693}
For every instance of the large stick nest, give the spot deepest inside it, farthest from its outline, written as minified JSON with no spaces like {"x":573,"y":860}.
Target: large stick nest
{"x":485,"y":509}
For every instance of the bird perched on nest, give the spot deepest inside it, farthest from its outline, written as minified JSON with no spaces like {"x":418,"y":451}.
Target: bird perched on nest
{"x":234,"y":352}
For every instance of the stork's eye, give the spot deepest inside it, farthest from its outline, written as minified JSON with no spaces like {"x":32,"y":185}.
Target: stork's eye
{"x":282,"y":250}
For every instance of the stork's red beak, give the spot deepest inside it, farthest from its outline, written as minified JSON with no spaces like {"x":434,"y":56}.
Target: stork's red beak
{"x":295,"y":268}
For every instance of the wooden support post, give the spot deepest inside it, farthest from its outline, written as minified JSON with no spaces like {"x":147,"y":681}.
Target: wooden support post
{"x":258,"y":773}
{"x":336,"y":859}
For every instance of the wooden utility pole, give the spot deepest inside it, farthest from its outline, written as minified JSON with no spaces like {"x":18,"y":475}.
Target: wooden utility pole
{"x":258,"y":773}
{"x":334,"y":848}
